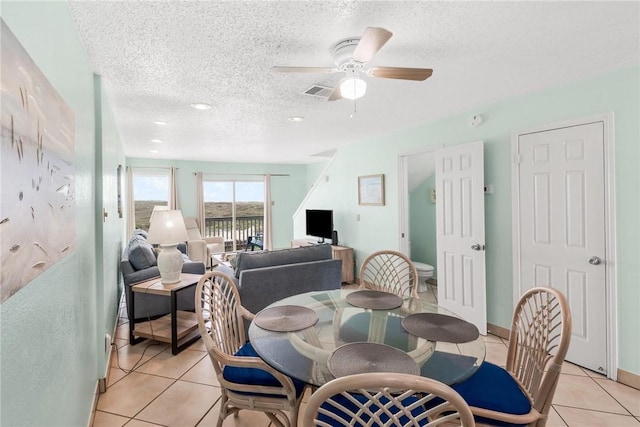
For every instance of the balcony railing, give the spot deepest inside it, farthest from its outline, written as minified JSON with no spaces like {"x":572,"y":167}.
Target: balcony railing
{"x":223,"y":226}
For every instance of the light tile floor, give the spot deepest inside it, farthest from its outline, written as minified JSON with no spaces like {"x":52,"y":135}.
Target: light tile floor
{"x":148,"y":386}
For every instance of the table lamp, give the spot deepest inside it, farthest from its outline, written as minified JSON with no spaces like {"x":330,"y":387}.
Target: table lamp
{"x":167,"y":229}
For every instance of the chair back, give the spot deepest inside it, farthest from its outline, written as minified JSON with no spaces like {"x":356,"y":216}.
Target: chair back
{"x":386,"y":398}
{"x":246,"y":381}
{"x":389,"y":271}
{"x":538,"y":343}
{"x":220,"y":319}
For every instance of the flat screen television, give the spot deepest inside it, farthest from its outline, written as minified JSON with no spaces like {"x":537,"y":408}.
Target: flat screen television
{"x":320,"y":223}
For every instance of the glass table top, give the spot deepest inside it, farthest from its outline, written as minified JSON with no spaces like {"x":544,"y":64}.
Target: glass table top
{"x":304,"y":354}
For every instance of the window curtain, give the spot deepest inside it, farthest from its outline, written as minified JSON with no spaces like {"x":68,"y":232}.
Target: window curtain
{"x":131,"y":206}
{"x":200,"y":202}
{"x":173,"y":189}
{"x":268,"y":215}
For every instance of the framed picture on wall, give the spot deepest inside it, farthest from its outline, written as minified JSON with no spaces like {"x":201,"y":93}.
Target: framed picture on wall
{"x":371,"y":190}
{"x":120,"y":172}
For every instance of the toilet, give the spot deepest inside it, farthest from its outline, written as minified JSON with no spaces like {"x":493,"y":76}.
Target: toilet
{"x":425,"y":272}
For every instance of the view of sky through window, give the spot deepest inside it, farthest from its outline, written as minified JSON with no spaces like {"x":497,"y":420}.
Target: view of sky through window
{"x":222,"y":191}
{"x":151,"y":187}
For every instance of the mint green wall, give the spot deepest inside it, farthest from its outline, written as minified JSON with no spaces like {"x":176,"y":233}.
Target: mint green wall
{"x":378,"y":226}
{"x":313,"y":172}
{"x":287,"y":192}
{"x":52,"y":330}
{"x":49,"y":356}
{"x":109,"y":154}
{"x":422,"y":224}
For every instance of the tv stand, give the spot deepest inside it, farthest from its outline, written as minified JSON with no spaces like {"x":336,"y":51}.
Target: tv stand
{"x":338,"y":252}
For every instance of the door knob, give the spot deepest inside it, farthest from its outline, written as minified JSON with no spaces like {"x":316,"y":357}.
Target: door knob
{"x":477,"y":247}
{"x":594,"y":260}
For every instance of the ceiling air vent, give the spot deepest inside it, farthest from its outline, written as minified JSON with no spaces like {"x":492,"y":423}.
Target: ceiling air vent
{"x":318,"y":91}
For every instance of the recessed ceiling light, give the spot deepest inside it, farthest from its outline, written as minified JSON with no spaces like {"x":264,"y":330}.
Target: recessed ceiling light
{"x":156,"y":141}
{"x":296,"y":118}
{"x":160,"y":122}
{"x":201,"y":106}
{"x":153,"y":151}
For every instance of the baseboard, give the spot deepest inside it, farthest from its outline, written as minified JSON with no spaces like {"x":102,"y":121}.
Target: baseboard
{"x":101,"y":384}
{"x":498,"y":331}
{"x":629,"y":378}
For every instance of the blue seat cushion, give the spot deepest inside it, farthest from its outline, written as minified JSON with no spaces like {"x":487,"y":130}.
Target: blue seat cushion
{"x":492,"y":387}
{"x":255,"y":376}
{"x":352,"y":408}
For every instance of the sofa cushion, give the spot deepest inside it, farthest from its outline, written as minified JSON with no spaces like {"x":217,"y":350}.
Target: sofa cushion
{"x":141,"y":254}
{"x":251,"y":260}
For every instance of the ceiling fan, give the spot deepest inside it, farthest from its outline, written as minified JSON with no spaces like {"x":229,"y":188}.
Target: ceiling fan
{"x":351,"y":56}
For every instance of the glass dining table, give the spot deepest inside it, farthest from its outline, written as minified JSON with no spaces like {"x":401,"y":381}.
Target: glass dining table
{"x":305,"y":354}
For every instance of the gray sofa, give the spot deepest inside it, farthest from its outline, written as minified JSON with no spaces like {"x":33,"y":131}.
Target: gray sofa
{"x":264,"y":277}
{"x":138,"y":263}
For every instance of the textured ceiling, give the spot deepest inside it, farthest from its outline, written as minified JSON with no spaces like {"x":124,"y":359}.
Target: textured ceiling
{"x":156,"y":58}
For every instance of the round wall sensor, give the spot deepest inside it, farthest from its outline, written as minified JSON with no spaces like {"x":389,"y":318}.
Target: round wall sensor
{"x":475,"y":120}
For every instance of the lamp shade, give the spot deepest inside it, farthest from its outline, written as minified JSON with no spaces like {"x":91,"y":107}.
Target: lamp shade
{"x":157,"y":208}
{"x":167,"y":227}
{"x":353,"y":88}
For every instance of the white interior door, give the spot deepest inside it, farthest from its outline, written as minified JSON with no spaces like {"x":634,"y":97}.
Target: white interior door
{"x":561,"y":222}
{"x":460,"y":231}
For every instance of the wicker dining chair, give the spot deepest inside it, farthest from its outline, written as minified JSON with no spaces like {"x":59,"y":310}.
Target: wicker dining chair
{"x":247,"y":382}
{"x":386,"y":399}
{"x":522,"y":393}
{"x":389,"y":271}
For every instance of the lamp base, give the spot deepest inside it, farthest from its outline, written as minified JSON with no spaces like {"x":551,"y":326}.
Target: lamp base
{"x":170,"y":263}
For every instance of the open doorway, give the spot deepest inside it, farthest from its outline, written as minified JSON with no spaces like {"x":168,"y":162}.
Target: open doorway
{"x":459,"y":225}
{"x":418,"y":209}
{"x":422,"y":209}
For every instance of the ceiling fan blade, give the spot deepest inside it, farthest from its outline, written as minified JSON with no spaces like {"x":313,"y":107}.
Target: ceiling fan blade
{"x":304,"y":69}
{"x":370,"y":42}
{"x":401,"y":73}
{"x":335,"y":93}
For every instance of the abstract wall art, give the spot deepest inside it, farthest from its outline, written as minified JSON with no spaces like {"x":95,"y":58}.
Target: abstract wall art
{"x":37,"y":208}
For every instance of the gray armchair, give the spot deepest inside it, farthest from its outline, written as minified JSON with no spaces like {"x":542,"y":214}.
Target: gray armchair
{"x":201,"y":248}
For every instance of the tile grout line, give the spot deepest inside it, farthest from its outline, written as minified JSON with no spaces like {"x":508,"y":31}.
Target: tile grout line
{"x":594,"y":410}
{"x":612,"y":396}
{"x":135,"y":365}
{"x":558,"y":414}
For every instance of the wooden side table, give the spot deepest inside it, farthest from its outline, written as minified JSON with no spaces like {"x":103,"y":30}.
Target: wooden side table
{"x":346,"y":255}
{"x":179,"y":328}
{"x":343,"y":253}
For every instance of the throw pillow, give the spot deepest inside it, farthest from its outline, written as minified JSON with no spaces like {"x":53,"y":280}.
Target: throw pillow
{"x":140,"y":232}
{"x":141,"y":255}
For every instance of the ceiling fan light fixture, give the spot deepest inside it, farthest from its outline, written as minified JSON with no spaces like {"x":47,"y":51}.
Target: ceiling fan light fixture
{"x":201,"y":106}
{"x":353,"y":88}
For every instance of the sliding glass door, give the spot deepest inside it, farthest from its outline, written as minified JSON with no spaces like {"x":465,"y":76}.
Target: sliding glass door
{"x":233,"y":209}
